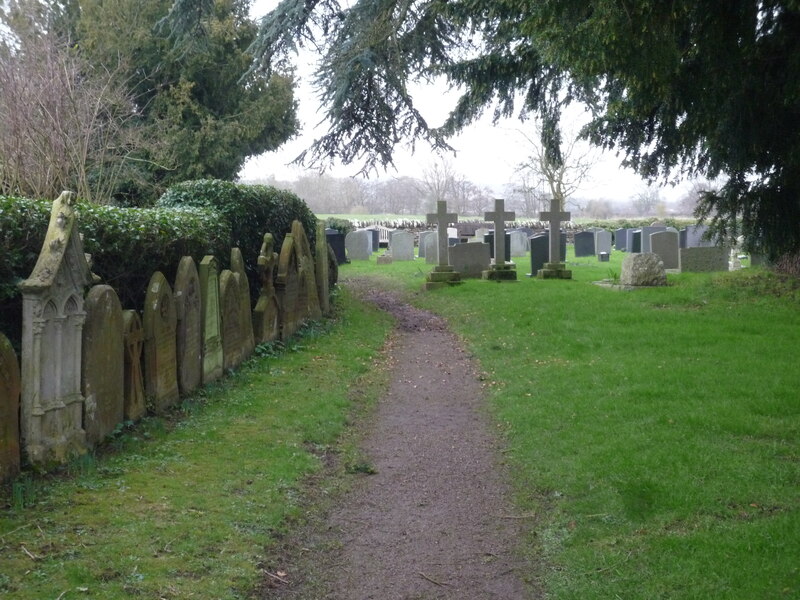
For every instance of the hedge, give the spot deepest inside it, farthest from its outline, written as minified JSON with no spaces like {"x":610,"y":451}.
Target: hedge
{"x":250,"y":210}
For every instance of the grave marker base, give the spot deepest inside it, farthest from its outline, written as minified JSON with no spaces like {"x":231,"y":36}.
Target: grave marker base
{"x":506,"y":272}
{"x":554,"y":271}
{"x":441,"y":276}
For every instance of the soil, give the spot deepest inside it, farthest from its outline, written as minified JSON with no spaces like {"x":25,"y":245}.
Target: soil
{"x":433,"y":518}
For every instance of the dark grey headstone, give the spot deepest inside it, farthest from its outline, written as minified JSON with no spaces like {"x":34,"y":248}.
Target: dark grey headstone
{"x":646,"y":233}
{"x":489,"y":239}
{"x":336,"y":240}
{"x":540,"y":250}
{"x":584,"y":244}
{"x":620,"y":239}
{"x":635,"y":240}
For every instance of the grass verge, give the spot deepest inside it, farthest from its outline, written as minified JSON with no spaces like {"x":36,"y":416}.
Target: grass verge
{"x":183,"y":506}
{"x":656,"y":433}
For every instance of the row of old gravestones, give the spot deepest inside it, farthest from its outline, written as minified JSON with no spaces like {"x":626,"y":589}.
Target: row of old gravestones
{"x":88,"y":365}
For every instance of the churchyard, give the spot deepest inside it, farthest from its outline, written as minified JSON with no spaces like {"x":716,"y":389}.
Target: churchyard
{"x":652,"y":438}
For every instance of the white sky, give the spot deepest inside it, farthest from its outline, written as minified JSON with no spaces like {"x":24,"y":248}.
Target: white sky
{"x":487,"y":154}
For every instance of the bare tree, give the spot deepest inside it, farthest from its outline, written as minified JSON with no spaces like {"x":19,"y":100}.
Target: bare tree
{"x":542,"y":178}
{"x":62,"y":122}
{"x":646,"y":201}
{"x":438,"y":180}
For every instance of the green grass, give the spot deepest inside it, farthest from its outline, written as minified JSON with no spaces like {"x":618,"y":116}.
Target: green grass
{"x":655,"y":432}
{"x":184,"y":507}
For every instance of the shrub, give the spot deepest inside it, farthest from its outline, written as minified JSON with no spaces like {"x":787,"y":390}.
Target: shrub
{"x":250,"y":210}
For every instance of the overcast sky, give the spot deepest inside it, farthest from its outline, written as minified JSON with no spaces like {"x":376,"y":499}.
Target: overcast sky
{"x":487,"y":154}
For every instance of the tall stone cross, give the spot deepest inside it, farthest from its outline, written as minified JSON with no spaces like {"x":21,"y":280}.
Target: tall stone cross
{"x":442,"y":219}
{"x":555,"y":218}
{"x":499,"y":217}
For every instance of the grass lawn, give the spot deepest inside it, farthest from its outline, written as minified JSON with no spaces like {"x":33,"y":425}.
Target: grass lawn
{"x":655,"y":433}
{"x":184,"y":507}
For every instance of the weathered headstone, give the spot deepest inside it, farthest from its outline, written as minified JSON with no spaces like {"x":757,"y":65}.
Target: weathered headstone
{"x":9,"y":411}
{"x":134,"y":404}
{"x":540,"y":251}
{"x":519,"y":243}
{"x":423,"y":236}
{"x":246,"y":311}
{"x":266,"y":323}
{"x":555,"y":269}
{"x":431,"y":249}
{"x":402,"y":245}
{"x":160,"y":353}
{"x":102,"y":364}
{"x":470,"y":260}
{"x":500,"y":270}
{"x":233,"y":342}
{"x":602,"y":242}
{"x":667,"y":246}
{"x":213,"y":359}
{"x":584,"y":244}
{"x":336,"y":240}
{"x":189,"y":340}
{"x":358,"y":245}
{"x":443,"y":273}
{"x":52,"y":325}
{"x":704,"y":259}
{"x":321,"y":265}
{"x":642,"y":269}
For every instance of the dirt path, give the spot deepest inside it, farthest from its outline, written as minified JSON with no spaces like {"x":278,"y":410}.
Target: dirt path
{"x":434,"y":521}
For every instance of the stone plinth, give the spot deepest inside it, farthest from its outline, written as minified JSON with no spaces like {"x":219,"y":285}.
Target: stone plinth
{"x":506,"y":272}
{"x":554,"y":271}
{"x":441,"y":276}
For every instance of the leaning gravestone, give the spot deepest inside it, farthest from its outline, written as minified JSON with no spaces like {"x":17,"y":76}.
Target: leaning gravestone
{"x":471,"y":260}
{"x":584,"y":244}
{"x":287,"y":287}
{"x":233,"y":342}
{"x":518,"y":243}
{"x":402,"y":245}
{"x":602,"y":242}
{"x":9,"y":411}
{"x":266,"y":324}
{"x":245,"y":313}
{"x":52,"y":323}
{"x":667,"y":246}
{"x":102,"y":364}
{"x":160,"y":354}
{"x":213,"y":360}
{"x":308,"y":298}
{"x":642,"y":269}
{"x":322,"y":270}
{"x":189,"y":340}
{"x":358,"y":245}
{"x":134,"y":404}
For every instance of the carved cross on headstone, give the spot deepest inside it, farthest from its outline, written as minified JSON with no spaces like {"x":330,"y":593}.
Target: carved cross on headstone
{"x":499,"y":217}
{"x":442,"y":219}
{"x":555,"y":217}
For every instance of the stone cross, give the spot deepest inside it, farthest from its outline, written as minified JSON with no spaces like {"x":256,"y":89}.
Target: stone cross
{"x":554,"y":217}
{"x":499,"y":217}
{"x":442,"y":219}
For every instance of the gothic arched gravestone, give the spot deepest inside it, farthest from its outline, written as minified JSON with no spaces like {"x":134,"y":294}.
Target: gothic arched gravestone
{"x":160,"y":354}
{"x":189,"y":346}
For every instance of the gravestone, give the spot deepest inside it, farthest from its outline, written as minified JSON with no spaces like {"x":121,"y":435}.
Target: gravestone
{"x":287,"y":288}
{"x":246,"y":311}
{"x":518,"y":243}
{"x":51,"y":408}
{"x":500,"y":269}
{"x":102,"y":364}
{"x":667,"y":246}
{"x":540,"y":251}
{"x":423,"y":236}
{"x":230,"y":303}
{"x":635,"y":241}
{"x":134,"y":404}
{"x":9,"y":411}
{"x":358,"y":245}
{"x":266,"y":323}
{"x":621,"y":239}
{"x":692,"y":237}
{"x":489,"y":239}
{"x":480,"y":235}
{"x":602,"y":242}
{"x":160,"y":353}
{"x":642,"y":269}
{"x":555,"y":269}
{"x":431,"y":249}
{"x":584,"y":244}
{"x":308,"y":298}
{"x":213,"y":359}
{"x":470,"y":260}
{"x":526,"y":230}
{"x":189,"y":332}
{"x":704,"y":259}
{"x":402,"y":245}
{"x":336,"y":240}
{"x":646,"y":233}
{"x":443,"y":273}
{"x":604,"y":257}
{"x":322,"y":274}
{"x":375,"y":238}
